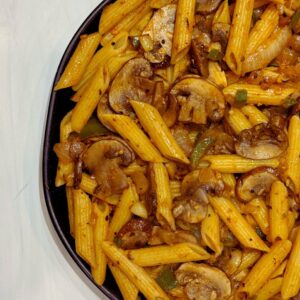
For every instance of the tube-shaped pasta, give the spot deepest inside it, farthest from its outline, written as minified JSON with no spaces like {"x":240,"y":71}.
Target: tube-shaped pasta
{"x":210,"y":231}
{"x":249,"y":258}
{"x":127,"y":288}
{"x":259,"y":96}
{"x":101,"y":214}
{"x":179,"y":68}
{"x":262,"y":29}
{"x":228,"y":163}
{"x":237,"y":120}
{"x":134,"y":273}
{"x":137,"y":139}
{"x":79,"y":61}
{"x":64,"y":174}
{"x":140,"y":26}
{"x":230,"y":181}
{"x":163,"y":195}
{"x":175,"y":187}
{"x":84,"y":241}
{"x":222,"y":15}
{"x":161,"y":135}
{"x":259,"y":211}
{"x":159,"y":3}
{"x":264,"y":268}
{"x":254,"y":115}
{"x":280,"y":270}
{"x":237,"y":223}
{"x":134,"y":168}
{"x":184,"y":23}
{"x":122,"y":212}
{"x":117,"y":46}
{"x":70,"y":202}
{"x":267,"y":51}
{"x":89,"y":101}
{"x":292,"y":173}
{"x":65,"y":127}
{"x":270,"y":289}
{"x":171,"y":254}
{"x":291,"y":278}
{"x":114,"y":13}
{"x":292,"y":217}
{"x":216,"y":74}
{"x":279,"y":212}
{"x":238,"y":36}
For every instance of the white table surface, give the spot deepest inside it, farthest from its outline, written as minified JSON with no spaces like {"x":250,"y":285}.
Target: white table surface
{"x":33,"y":37}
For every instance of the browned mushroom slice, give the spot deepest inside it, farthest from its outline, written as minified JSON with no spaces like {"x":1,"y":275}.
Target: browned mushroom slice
{"x":256,"y":183}
{"x":220,"y":33}
{"x":160,"y":31}
{"x":131,"y":83}
{"x":181,"y":135}
{"x":207,"y":6}
{"x":263,"y":141}
{"x":202,"y":281}
{"x":199,"y":100}
{"x":103,"y":160}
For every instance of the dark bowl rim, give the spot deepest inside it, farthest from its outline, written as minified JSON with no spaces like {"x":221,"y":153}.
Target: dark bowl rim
{"x":46,"y":144}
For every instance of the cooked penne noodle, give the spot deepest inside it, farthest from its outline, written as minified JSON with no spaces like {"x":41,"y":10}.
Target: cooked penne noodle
{"x":137,"y":30}
{"x":249,"y":258}
{"x":237,"y":120}
{"x":70,"y":201}
{"x":127,"y":288}
{"x":84,"y":241}
{"x":78,"y":94}
{"x":278,"y":212}
{"x":139,"y":209}
{"x":155,"y":126}
{"x":210,"y":231}
{"x":222,"y":15}
{"x":262,"y":29}
{"x":122,"y":212}
{"x":137,"y":139}
{"x":175,"y":187}
{"x":292,"y":173}
{"x":65,"y":127}
{"x":230,"y":182}
{"x":254,"y":115}
{"x":163,"y":196}
{"x":161,"y":255}
{"x":264,"y":268}
{"x":79,"y":61}
{"x":237,"y":223}
{"x":159,"y":3}
{"x":127,"y":23}
{"x":292,"y":216}
{"x":101,"y":213}
{"x":291,"y":279}
{"x":64,"y":174}
{"x":134,"y":273}
{"x":256,"y":95}
{"x":133,"y":168}
{"x":216,"y":75}
{"x":270,"y":289}
{"x":268,"y":50}
{"x":280,"y":270}
{"x":230,"y":163}
{"x":89,"y":101}
{"x":238,"y":36}
{"x":114,"y":13}
{"x":184,"y":23}
{"x":117,"y":46}
{"x":179,"y":68}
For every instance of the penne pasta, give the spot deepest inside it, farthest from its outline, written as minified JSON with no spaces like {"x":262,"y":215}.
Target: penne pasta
{"x":278,"y":212}
{"x":155,"y":126}
{"x":161,"y":255}
{"x":238,"y":36}
{"x":222,"y":15}
{"x":134,"y":273}
{"x":179,"y":68}
{"x":291,"y":278}
{"x":254,"y":115}
{"x":90,"y":98}
{"x":163,"y":196}
{"x":65,"y":127}
{"x":263,"y":269}
{"x":216,"y":75}
{"x":137,"y":139}
{"x":100,"y":212}
{"x":159,"y":3}
{"x":183,"y":29}
{"x":237,"y":223}
{"x":292,"y":173}
{"x":175,"y":187}
{"x":280,"y":270}
{"x":230,"y":163}
{"x":138,"y":28}
{"x":256,"y":95}
{"x":79,"y":61}
{"x":249,"y":258}
{"x":70,"y":201}
{"x":237,"y":120}
{"x":270,"y":289}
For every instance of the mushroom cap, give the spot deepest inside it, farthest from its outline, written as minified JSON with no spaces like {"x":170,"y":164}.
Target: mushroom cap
{"x":256,"y":183}
{"x":131,"y":83}
{"x":199,"y":100}
{"x":203,"y":282}
{"x":262,"y":141}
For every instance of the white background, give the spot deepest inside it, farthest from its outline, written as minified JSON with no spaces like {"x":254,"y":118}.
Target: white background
{"x":33,"y":37}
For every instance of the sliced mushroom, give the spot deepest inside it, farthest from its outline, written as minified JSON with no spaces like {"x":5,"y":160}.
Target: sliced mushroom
{"x":160,"y":30}
{"x":256,"y":183}
{"x":207,"y":6}
{"x":220,"y":33}
{"x":131,"y":83}
{"x":263,"y":141}
{"x":181,"y":135}
{"x":103,"y":160}
{"x":204,"y":282}
{"x":199,"y":101}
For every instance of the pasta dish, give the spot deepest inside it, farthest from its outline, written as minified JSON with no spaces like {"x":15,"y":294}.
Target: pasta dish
{"x":181,"y":155}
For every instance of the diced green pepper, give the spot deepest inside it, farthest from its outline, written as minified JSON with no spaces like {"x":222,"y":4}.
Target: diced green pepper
{"x":93,"y":128}
{"x":215,"y":55}
{"x":241,"y":96}
{"x":200,"y":149}
{"x":166,"y":279}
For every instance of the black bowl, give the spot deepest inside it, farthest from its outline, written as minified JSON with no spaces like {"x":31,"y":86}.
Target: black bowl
{"x":55,"y":198}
